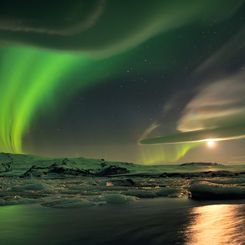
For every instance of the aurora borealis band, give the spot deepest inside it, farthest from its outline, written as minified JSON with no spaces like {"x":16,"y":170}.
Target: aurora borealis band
{"x":37,"y":74}
{"x":103,"y":79}
{"x":33,"y":77}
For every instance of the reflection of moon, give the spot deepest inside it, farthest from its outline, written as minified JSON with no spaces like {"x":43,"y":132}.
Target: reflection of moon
{"x":216,"y":224}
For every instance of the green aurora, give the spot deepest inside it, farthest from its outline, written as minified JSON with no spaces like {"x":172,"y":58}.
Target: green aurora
{"x":90,"y":40}
{"x":30,"y":81}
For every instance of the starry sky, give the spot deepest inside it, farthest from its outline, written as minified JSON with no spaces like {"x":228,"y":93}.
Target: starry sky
{"x":141,"y":81}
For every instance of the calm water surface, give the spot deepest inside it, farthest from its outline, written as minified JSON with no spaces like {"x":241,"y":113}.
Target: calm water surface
{"x":157,"y":221}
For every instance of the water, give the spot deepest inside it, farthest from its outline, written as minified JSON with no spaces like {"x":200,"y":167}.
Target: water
{"x":217,"y":224}
{"x":155,"y":221}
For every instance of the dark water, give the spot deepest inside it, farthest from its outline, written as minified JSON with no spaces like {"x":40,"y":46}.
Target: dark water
{"x":157,"y":221}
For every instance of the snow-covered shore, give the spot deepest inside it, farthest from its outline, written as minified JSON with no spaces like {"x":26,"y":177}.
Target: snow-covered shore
{"x":80,"y":182}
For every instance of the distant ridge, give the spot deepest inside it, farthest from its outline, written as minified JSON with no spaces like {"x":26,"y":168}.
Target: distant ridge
{"x":205,"y":164}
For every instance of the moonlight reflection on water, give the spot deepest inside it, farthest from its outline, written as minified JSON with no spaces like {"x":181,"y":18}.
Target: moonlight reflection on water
{"x":217,"y":224}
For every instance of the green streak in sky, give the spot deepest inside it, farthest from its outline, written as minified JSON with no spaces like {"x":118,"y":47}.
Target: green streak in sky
{"x":29,"y":79}
{"x":158,"y":154}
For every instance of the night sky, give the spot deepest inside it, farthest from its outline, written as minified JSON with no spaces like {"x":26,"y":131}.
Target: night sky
{"x":141,"y":81}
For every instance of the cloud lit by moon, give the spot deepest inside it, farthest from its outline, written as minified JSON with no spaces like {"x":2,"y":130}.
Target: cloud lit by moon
{"x":216,"y":112}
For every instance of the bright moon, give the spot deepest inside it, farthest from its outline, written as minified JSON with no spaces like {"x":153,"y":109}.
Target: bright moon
{"x":211,"y":143}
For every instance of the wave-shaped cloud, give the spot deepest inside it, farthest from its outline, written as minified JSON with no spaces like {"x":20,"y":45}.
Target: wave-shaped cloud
{"x":216,"y":112}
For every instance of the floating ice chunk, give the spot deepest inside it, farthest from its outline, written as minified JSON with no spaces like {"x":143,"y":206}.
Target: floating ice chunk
{"x":35,"y":186}
{"x":67,"y":203}
{"x":118,"y":198}
{"x":16,"y":200}
{"x":205,"y":190}
{"x":153,"y":192}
